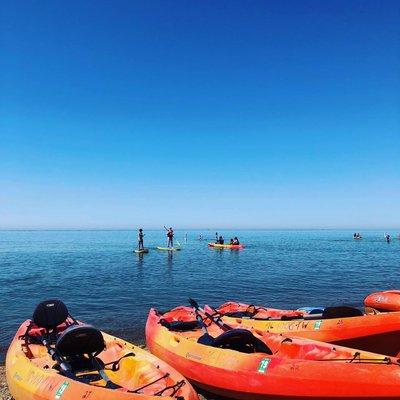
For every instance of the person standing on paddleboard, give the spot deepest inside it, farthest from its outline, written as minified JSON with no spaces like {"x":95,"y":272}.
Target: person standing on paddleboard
{"x":140,"y":239}
{"x":170,"y":237}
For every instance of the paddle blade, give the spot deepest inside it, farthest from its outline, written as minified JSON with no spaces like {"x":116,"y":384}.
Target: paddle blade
{"x":193,"y":303}
{"x":206,"y":339}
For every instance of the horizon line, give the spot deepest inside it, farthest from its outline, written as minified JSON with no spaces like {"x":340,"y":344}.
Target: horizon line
{"x":200,"y":229}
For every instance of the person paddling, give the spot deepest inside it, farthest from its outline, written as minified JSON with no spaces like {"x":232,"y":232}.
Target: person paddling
{"x":140,"y":239}
{"x":170,"y":237}
{"x":236,"y":241}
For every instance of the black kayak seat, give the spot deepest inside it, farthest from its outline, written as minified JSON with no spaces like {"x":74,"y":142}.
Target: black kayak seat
{"x":241,"y":340}
{"x":50,"y":313}
{"x":180,"y":326}
{"x":78,"y":340}
{"x":341,"y":312}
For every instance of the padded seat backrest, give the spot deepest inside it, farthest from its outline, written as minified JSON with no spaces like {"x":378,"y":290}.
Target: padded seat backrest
{"x":78,"y":340}
{"x":341,"y":312}
{"x":50,"y":313}
{"x":241,"y":340}
{"x":180,"y":326}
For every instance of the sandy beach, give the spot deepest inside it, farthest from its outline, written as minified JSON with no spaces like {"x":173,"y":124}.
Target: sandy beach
{"x":4,"y":393}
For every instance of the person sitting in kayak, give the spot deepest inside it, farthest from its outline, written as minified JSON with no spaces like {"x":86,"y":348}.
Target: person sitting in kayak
{"x":221,"y":240}
{"x":170,"y":237}
{"x":235,"y":241}
{"x":140,"y":239}
{"x":231,"y":242}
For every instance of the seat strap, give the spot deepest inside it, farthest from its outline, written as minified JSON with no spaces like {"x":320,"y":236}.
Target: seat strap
{"x":115,"y":364}
{"x":149,"y":384}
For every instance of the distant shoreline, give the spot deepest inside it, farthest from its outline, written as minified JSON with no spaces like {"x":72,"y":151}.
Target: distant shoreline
{"x":193,"y":229}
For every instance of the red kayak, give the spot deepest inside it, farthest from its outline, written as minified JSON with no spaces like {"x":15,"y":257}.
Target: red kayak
{"x":384,"y":301}
{"x":247,"y":364}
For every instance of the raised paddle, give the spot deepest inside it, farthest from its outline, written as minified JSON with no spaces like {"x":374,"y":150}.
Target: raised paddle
{"x":206,"y":338}
{"x":217,"y":321}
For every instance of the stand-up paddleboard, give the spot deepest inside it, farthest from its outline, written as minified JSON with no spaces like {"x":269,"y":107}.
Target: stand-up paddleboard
{"x":168,"y":248}
{"x":141,"y":251}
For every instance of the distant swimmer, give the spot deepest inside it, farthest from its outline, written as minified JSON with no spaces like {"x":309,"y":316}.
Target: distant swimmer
{"x":140,"y":239}
{"x":236,"y":241}
{"x":200,"y":237}
{"x":170,"y":237}
{"x":387,"y":237}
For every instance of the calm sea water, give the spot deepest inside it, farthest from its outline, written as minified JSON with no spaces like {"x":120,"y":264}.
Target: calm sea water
{"x":107,"y":285}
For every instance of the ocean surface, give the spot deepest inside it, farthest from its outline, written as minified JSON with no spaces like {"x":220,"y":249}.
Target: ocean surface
{"x":104,"y":283}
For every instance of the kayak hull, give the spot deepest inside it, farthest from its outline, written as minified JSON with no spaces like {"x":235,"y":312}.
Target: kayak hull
{"x":388,"y":300}
{"x":294,"y":371}
{"x":226,"y":246}
{"x":30,"y":375}
{"x":378,"y":333}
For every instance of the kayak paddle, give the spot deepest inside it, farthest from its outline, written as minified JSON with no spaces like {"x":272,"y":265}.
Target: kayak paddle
{"x":206,"y":338}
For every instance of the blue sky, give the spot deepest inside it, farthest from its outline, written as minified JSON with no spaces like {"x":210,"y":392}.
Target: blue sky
{"x":200,"y":114}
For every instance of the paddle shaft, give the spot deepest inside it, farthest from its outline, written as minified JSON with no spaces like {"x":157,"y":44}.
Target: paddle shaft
{"x":217,"y":321}
{"x":65,"y":367}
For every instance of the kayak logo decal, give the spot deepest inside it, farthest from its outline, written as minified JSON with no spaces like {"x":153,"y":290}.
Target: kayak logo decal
{"x":194,"y":356}
{"x":263,"y":365}
{"x":317,"y":325}
{"x":61,"y":390}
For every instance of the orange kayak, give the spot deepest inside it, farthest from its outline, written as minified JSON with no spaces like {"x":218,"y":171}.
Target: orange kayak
{"x":388,"y":300}
{"x":254,"y":365}
{"x":117,"y":371}
{"x":345,"y":326}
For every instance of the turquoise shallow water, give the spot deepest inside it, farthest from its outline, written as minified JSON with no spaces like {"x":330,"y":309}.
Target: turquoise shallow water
{"x":104,"y":283}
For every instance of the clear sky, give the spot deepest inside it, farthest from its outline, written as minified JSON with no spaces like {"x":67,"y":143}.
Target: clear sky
{"x":245,"y":114}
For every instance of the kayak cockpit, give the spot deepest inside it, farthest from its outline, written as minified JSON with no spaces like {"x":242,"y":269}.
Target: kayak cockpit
{"x":241,"y":340}
{"x":54,"y":340}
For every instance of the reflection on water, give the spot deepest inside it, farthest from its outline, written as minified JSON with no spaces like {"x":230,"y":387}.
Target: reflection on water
{"x":106,"y":284}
